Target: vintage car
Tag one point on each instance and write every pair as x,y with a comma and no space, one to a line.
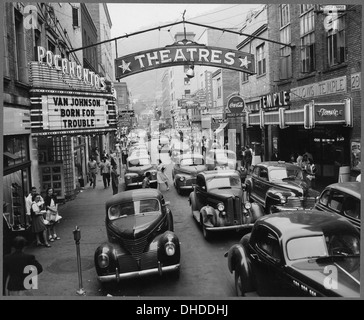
278,186
218,203
185,170
221,159
138,147
298,253
343,198
137,166
141,240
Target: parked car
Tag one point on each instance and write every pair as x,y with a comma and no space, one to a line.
217,203
221,159
342,198
141,240
279,186
137,166
298,253
185,170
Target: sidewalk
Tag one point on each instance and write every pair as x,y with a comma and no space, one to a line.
60,274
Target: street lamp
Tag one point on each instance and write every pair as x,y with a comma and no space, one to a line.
190,72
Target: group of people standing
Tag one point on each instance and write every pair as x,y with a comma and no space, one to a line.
107,167
42,214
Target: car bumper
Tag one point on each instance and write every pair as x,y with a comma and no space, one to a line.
283,208
228,228
120,276
138,183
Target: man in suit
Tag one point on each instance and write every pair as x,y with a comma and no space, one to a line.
18,267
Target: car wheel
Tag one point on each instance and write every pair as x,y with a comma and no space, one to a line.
238,284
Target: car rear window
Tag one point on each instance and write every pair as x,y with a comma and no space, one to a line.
141,207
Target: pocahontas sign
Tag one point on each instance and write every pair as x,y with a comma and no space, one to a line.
183,55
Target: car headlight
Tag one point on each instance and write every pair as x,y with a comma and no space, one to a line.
170,248
181,178
128,177
103,260
247,205
282,198
220,206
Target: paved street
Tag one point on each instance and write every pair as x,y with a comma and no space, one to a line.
204,269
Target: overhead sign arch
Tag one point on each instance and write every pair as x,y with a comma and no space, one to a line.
188,54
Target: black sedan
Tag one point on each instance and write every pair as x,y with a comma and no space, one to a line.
298,253
141,241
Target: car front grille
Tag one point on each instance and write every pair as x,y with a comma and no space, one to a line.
136,246
147,260
294,202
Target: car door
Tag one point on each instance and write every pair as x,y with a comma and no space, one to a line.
267,261
200,191
259,180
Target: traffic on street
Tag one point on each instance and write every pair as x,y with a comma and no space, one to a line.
150,158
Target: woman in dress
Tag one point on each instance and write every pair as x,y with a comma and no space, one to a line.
51,207
161,175
38,226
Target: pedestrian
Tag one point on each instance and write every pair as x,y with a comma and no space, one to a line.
52,216
39,226
275,155
105,170
162,178
309,155
97,155
309,171
28,204
92,171
248,157
146,180
215,145
113,159
16,270
114,180
124,155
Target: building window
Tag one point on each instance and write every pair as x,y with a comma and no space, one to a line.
187,92
51,46
336,42
285,70
244,77
284,14
305,7
6,53
307,28
20,54
219,88
75,17
261,66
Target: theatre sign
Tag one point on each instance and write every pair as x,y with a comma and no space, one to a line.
183,55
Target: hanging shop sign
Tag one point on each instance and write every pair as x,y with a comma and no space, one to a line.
188,104
52,71
323,88
184,55
235,107
274,101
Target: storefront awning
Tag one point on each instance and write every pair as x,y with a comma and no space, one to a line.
221,127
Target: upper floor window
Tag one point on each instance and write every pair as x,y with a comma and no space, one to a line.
336,42
219,88
285,70
261,60
284,14
305,7
244,77
20,54
307,34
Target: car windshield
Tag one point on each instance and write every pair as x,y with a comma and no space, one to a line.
141,207
280,173
323,246
192,162
138,162
223,182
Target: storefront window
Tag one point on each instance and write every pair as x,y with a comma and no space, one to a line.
15,190
15,150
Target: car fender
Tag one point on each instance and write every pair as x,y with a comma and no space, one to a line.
239,261
110,250
256,211
192,200
208,214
